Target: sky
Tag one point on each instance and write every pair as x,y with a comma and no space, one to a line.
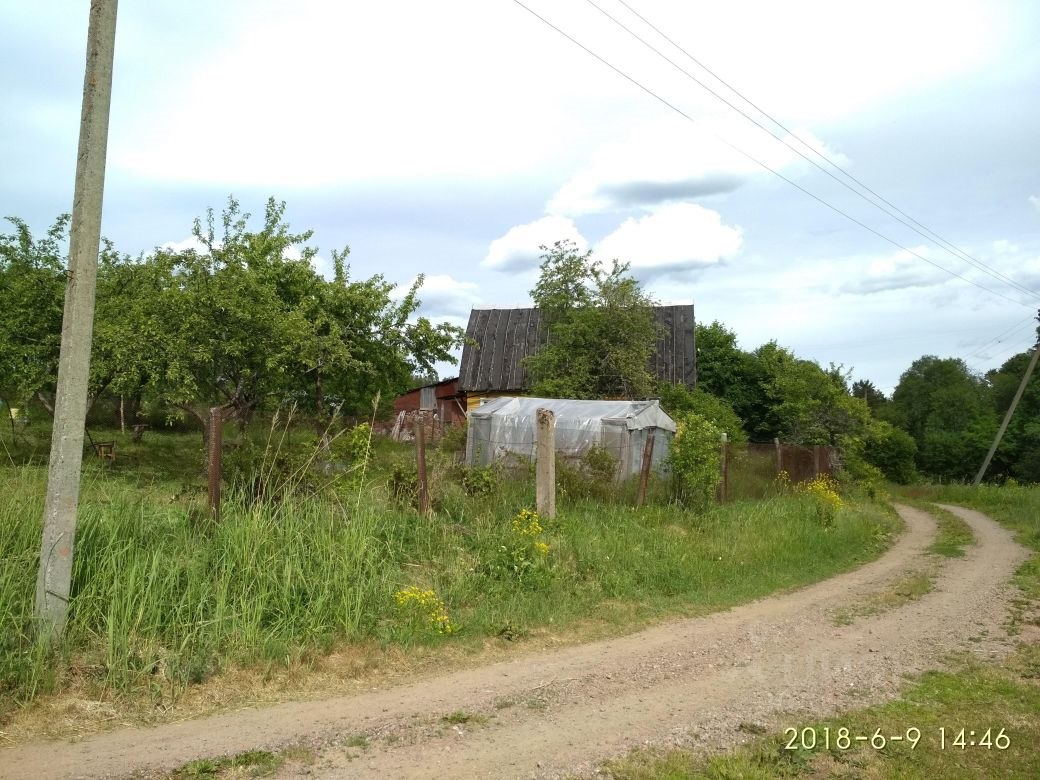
453,139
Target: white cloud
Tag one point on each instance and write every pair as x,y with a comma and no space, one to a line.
1035,201
896,271
443,297
519,249
186,244
673,240
675,160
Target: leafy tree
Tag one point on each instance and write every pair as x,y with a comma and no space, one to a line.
244,322
947,410
677,399
865,389
728,372
1019,453
32,294
807,404
892,450
599,325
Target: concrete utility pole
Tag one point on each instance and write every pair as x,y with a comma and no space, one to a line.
1007,417
70,405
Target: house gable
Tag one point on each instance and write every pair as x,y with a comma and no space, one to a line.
504,337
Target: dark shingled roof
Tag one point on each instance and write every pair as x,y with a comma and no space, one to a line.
506,336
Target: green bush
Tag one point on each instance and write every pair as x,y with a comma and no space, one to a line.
892,450
696,460
480,480
679,399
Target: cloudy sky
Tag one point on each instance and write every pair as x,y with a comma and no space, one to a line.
454,138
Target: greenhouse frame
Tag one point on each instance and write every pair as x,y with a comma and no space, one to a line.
506,428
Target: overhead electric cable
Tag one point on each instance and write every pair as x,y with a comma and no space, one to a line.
755,160
953,247
894,212
977,352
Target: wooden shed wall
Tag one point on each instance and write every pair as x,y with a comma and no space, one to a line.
504,337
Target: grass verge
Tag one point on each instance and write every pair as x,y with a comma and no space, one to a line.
164,600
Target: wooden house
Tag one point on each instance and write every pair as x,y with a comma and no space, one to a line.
492,365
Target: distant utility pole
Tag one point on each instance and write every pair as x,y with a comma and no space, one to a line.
70,406
1010,411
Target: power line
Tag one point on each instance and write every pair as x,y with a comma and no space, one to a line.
755,160
977,352
904,218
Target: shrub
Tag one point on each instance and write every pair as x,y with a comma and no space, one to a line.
696,460
892,450
600,465
479,480
354,448
423,608
403,485
524,557
824,493
678,399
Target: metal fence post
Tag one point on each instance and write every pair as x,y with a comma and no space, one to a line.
644,469
420,463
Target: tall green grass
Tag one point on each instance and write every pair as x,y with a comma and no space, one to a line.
163,597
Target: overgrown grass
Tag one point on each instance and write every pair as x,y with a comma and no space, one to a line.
163,597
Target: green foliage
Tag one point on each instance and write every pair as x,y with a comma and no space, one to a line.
728,372
678,399
243,321
945,408
600,327
1019,453
354,448
600,464
403,485
32,291
524,556
454,438
696,460
874,398
480,480
892,450
161,601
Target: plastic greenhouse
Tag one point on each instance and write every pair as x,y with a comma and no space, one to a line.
506,426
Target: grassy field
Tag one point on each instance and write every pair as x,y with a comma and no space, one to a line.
165,599
971,695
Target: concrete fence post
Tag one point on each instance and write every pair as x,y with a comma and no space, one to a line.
545,464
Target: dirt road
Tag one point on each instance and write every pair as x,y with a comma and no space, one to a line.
691,681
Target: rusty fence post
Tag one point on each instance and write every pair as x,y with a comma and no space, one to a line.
545,464
779,457
216,437
644,470
817,450
419,428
